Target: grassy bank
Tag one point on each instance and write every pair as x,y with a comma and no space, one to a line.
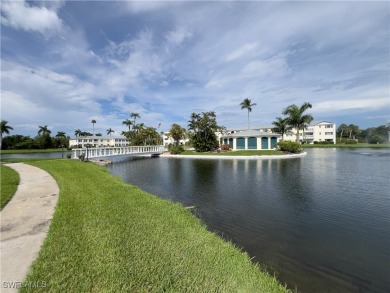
31,151
236,153
9,184
359,145
108,236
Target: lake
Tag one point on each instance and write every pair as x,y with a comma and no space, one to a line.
321,223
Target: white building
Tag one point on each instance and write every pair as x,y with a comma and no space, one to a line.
259,138
98,141
315,132
167,138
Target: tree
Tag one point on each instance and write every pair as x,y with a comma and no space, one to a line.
93,121
43,139
43,130
4,129
202,131
177,133
109,131
353,130
296,118
247,104
281,126
61,134
127,122
77,132
134,116
341,129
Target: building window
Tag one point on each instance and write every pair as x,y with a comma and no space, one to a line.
328,133
328,126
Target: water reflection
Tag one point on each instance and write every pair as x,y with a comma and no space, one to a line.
321,222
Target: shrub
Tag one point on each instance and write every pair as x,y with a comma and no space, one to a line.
351,141
289,146
174,150
225,147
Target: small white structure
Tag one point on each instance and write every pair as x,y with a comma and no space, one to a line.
98,141
251,140
315,132
167,138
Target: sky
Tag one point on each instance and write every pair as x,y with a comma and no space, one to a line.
64,63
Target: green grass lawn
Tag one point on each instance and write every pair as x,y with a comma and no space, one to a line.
236,153
31,151
9,184
108,236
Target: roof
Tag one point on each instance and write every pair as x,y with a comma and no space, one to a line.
99,137
252,133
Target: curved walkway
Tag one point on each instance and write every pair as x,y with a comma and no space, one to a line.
25,222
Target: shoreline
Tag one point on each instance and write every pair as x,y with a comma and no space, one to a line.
289,156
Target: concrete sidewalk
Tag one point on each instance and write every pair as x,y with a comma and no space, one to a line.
25,222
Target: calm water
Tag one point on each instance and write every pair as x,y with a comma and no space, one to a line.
321,223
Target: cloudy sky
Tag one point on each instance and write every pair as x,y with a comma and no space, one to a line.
64,63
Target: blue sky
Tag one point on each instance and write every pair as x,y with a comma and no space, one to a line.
64,63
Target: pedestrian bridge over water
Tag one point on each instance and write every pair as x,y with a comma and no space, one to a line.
100,152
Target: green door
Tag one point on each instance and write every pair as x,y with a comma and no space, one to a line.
274,140
231,142
264,143
241,143
252,143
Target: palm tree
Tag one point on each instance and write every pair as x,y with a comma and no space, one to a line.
77,132
128,123
61,134
296,118
4,129
43,130
341,129
247,104
93,126
134,116
281,126
109,131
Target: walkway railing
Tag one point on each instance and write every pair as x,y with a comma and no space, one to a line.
116,151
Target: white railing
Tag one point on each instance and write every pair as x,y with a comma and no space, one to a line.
116,151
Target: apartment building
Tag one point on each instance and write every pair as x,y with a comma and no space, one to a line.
98,141
316,132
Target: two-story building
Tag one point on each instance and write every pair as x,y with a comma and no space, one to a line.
316,132
98,141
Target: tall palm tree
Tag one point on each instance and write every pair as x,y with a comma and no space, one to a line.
4,129
109,131
93,121
281,126
247,104
134,116
77,132
61,134
296,118
128,123
43,130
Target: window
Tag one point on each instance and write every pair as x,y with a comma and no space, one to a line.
328,126
328,133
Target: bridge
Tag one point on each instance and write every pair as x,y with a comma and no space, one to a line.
100,152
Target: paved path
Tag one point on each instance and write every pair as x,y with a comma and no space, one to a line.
25,222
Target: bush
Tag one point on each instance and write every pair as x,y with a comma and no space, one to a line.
225,147
175,150
351,141
323,142
289,146
377,139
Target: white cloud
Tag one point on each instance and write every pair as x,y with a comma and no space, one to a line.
242,51
21,15
178,36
